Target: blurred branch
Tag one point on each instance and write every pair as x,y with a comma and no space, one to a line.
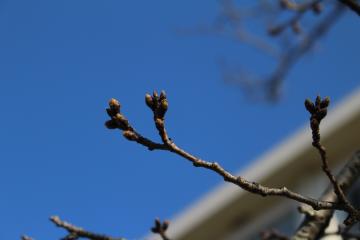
299,7
286,50
272,83
354,5
298,50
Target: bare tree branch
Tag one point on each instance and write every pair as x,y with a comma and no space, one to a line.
159,105
318,111
299,7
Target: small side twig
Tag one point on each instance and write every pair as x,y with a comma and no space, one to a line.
318,111
75,232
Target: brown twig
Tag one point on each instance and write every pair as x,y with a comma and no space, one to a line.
159,106
318,111
75,232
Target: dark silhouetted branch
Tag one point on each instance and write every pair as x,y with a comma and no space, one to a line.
160,228
354,5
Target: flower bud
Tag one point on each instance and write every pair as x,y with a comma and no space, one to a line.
164,105
309,105
162,95
111,112
157,223
122,122
165,225
149,101
119,117
130,135
317,101
325,102
114,104
111,124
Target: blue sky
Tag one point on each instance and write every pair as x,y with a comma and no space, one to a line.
60,63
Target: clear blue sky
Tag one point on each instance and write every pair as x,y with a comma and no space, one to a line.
60,62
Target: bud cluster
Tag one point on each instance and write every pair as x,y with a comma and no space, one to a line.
318,111
117,121
160,227
158,104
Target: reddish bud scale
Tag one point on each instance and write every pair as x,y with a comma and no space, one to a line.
114,104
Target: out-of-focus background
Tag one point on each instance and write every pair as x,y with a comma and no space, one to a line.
60,63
